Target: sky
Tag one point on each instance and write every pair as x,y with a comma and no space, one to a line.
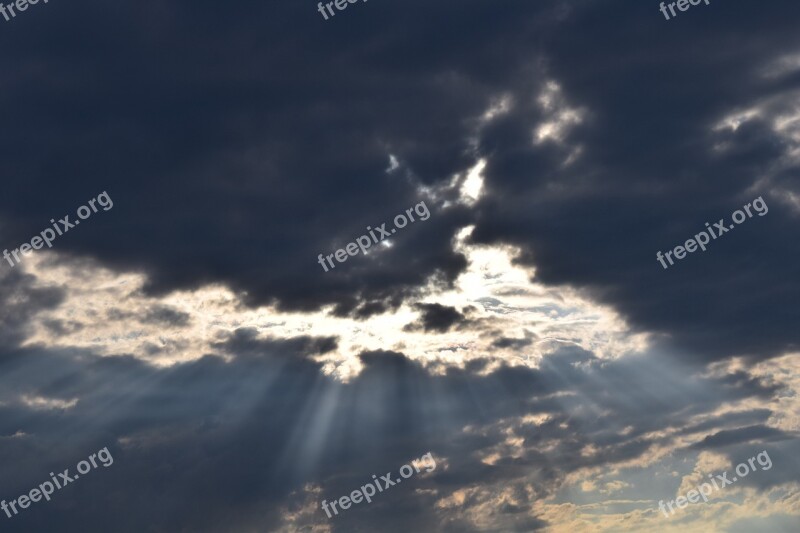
202,355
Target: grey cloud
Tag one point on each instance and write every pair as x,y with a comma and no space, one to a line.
239,437
437,318
167,316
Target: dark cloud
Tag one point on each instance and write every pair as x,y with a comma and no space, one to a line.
221,170
437,318
734,418
216,163
652,170
245,342
515,344
157,315
62,327
747,434
166,316
22,299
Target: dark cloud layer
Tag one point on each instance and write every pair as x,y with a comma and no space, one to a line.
651,173
237,146
230,141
